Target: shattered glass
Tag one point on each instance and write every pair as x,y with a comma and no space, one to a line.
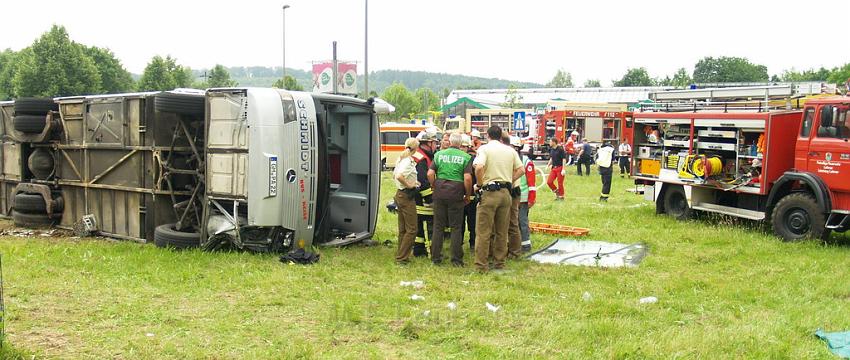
590,253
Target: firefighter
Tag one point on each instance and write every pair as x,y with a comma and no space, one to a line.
404,175
496,167
423,156
605,161
570,146
585,156
476,139
470,209
450,176
525,193
624,152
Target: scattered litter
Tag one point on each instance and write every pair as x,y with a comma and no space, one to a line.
415,297
557,229
648,300
837,342
426,313
465,282
492,307
451,305
590,253
586,296
149,334
416,284
18,232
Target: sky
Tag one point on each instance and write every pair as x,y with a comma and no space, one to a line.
516,40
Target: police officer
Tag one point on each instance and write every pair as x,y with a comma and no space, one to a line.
469,210
406,184
451,178
496,167
605,161
425,214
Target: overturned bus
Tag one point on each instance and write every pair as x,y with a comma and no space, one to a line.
249,168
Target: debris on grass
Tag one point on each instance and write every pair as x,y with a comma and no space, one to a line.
586,296
590,253
492,307
416,284
451,305
426,313
415,297
648,300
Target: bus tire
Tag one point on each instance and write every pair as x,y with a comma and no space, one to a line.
167,236
35,106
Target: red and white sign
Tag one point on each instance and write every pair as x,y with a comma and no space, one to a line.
346,77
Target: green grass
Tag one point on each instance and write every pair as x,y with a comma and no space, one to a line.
726,289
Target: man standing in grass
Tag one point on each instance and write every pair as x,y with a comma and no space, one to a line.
557,168
496,167
450,176
605,161
524,195
471,207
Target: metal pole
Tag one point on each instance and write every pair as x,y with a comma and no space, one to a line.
284,43
366,50
336,85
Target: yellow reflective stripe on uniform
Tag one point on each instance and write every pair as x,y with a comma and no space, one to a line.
424,210
426,192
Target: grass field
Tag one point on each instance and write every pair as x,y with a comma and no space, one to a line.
726,289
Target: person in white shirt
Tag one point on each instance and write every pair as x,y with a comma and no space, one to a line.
605,161
405,178
624,153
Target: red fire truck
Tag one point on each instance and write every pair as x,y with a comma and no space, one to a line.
591,122
790,167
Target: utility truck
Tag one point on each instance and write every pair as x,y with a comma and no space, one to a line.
720,151
249,168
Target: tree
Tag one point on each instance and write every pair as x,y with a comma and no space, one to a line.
681,79
8,64
729,69
592,83
428,98
113,77
793,75
219,77
512,99
840,75
55,66
288,83
165,74
562,79
635,77
406,104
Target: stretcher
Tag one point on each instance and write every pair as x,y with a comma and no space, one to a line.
557,229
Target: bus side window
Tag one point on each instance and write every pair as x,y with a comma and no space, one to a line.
808,119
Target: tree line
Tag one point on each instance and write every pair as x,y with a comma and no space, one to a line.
709,69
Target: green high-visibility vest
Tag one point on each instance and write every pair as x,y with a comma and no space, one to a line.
450,164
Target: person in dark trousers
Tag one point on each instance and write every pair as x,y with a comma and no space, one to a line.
605,162
624,153
404,176
497,166
584,157
451,178
470,209
557,168
423,157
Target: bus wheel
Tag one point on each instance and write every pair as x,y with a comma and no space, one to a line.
797,217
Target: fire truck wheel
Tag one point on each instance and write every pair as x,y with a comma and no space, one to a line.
676,203
183,104
167,236
35,106
30,203
797,217
31,220
30,124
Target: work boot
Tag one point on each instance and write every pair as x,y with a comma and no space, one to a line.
603,199
419,250
526,249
